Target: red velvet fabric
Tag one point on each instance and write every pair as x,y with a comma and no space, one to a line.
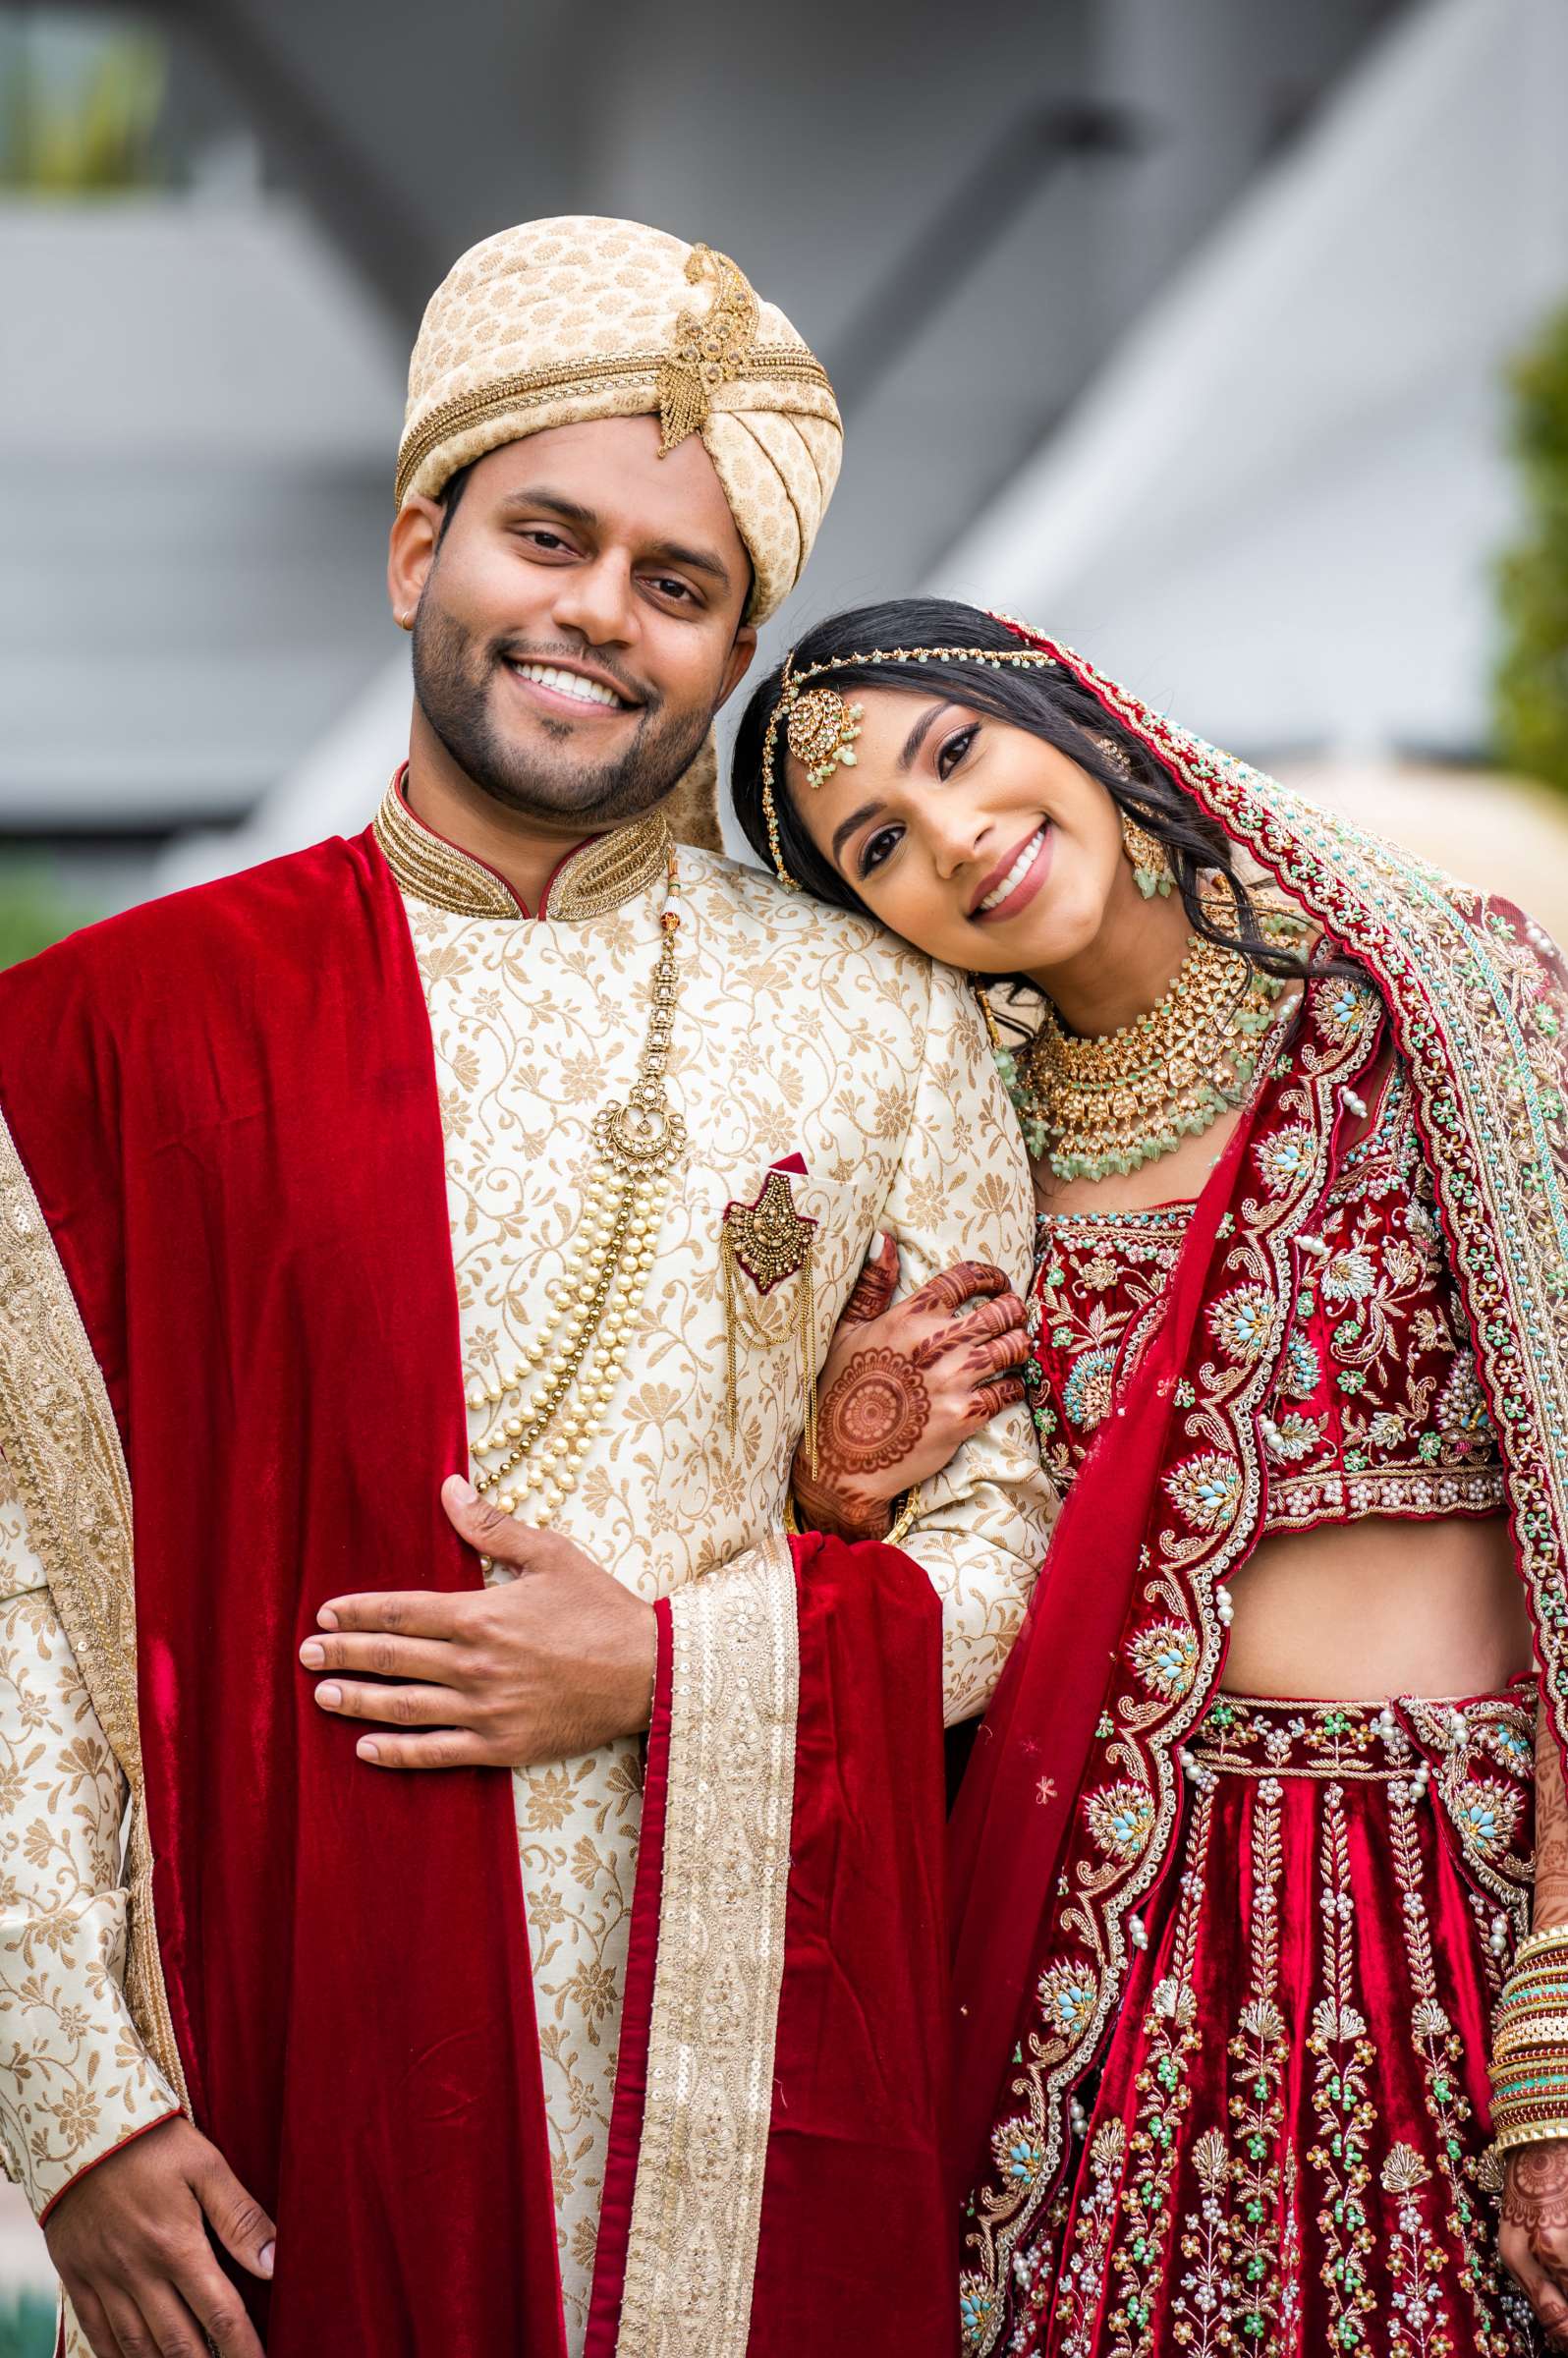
858,2244
227,1105
858,2248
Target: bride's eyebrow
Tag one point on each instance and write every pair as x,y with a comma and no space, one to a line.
847,827
917,736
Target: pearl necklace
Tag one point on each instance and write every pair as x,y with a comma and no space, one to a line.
557,1391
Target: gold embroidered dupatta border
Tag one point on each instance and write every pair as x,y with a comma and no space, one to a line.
698,2201
61,1443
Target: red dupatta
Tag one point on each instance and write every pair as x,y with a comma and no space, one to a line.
224,1109
1066,1819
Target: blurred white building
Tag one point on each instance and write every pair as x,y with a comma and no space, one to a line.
1276,509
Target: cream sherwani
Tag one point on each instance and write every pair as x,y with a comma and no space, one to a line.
798,1031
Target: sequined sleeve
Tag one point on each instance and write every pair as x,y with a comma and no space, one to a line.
75,2079
962,1192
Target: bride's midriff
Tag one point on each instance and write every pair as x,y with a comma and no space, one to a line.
1354,1611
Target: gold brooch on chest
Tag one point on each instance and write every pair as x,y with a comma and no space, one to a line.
762,1245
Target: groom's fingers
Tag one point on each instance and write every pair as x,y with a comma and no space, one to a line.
396,1706
442,1748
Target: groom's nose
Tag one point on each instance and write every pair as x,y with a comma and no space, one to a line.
597,599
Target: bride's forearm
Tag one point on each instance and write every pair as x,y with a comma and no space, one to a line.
1551,1827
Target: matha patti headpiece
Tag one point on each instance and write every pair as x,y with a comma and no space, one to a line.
821,727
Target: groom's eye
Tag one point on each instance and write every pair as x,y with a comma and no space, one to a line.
955,748
879,848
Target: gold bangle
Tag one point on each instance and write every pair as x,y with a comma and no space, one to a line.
1532,2030
1529,2132
906,1519
1545,1936
903,1522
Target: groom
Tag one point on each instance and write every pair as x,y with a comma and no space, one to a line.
514,1146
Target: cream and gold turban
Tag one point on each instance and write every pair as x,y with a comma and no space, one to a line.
562,321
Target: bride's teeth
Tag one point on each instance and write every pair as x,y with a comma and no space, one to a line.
568,683
1015,873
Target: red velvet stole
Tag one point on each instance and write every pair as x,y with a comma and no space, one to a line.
226,1104
858,2246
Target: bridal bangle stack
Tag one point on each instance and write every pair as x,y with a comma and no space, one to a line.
1530,2045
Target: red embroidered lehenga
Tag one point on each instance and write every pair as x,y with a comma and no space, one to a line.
1225,1964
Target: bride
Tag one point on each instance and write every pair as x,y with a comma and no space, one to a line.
1262,2003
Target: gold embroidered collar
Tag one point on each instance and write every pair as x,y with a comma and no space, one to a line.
602,874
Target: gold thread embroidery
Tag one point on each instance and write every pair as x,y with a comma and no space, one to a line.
531,388
601,875
696,2208
58,1434
433,871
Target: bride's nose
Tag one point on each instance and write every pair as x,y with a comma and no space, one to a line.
957,837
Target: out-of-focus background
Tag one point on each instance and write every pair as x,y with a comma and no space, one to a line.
1226,338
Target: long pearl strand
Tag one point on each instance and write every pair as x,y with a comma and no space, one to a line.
557,1390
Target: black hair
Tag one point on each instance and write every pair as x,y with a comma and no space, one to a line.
451,497
1049,703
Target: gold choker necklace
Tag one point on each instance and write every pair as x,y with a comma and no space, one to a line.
1102,1106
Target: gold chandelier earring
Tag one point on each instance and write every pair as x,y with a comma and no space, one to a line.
1152,868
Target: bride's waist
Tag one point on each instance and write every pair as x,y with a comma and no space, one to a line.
1380,1606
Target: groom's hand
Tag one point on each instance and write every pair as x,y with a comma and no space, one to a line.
557,1661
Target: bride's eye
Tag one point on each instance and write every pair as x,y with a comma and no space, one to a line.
879,848
955,748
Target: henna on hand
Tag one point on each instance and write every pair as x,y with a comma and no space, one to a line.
874,1289
871,1417
1533,2235
903,1392
953,1289
1551,1826
1535,2189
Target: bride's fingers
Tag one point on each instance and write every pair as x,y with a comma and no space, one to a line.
876,1284
988,1400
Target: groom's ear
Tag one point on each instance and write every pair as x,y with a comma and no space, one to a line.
738,661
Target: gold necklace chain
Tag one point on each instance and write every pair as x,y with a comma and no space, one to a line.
556,1393
1107,1105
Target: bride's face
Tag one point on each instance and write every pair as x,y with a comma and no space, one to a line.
977,842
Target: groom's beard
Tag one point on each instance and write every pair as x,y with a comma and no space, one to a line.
460,683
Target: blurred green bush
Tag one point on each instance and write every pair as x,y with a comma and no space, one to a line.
1530,699
79,117
34,913
26,2327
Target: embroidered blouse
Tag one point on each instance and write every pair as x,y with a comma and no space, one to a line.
1376,1406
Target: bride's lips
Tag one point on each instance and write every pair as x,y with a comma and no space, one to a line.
1028,882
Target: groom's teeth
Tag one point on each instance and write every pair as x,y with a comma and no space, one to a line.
1017,872
567,683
